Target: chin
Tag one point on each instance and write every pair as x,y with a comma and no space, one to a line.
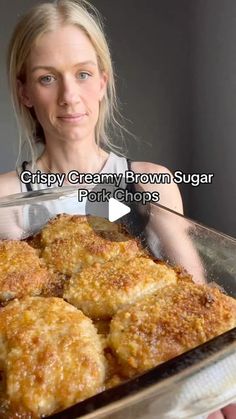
75,135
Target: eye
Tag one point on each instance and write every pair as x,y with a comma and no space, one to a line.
84,75
47,79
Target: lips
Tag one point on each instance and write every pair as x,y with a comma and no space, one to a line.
72,115
75,117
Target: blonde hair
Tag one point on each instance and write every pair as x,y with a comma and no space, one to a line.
39,20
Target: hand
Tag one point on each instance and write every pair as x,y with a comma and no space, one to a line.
228,412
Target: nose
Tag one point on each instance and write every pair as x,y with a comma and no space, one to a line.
69,92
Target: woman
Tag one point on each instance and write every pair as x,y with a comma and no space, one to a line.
62,85
64,101
63,92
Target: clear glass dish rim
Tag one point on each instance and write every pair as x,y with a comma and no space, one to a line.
48,194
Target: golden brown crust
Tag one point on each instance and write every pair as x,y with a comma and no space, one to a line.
50,354
10,410
99,291
69,243
173,320
65,225
114,375
21,271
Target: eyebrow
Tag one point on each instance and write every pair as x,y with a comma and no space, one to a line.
46,67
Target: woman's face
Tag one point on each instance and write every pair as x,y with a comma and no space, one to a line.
64,85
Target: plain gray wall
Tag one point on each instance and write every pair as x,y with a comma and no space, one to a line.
175,64
9,13
214,111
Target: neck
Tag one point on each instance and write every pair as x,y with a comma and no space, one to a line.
89,159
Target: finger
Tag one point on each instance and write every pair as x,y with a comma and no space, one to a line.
230,411
216,415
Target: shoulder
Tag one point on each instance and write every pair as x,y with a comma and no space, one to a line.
170,196
9,183
147,167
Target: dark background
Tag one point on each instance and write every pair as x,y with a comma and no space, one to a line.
175,62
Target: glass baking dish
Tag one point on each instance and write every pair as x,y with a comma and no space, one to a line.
190,385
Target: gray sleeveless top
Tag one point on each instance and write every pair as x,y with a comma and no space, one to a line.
38,214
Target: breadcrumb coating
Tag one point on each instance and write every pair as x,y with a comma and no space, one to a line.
69,243
22,272
50,355
175,319
99,291
65,225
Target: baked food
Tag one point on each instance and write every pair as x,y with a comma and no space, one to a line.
50,355
64,225
22,272
99,291
173,320
70,243
44,340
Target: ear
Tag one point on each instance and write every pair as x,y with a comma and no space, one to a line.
23,94
103,85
